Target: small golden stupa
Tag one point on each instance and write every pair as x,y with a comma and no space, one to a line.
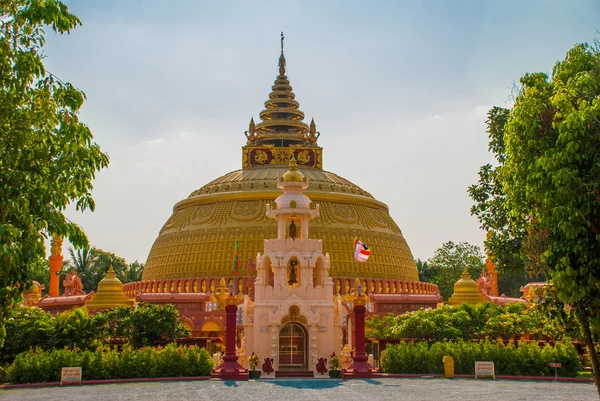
466,291
110,293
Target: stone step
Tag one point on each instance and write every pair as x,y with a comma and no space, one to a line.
294,373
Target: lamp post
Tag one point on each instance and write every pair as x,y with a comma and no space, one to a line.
360,367
231,369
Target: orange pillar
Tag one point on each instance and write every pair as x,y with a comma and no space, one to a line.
492,272
56,259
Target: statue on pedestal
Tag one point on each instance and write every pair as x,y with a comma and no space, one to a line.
72,284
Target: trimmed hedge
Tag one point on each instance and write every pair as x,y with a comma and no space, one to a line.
522,359
36,365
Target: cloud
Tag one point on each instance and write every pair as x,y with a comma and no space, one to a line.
186,135
155,143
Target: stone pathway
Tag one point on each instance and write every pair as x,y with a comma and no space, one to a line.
312,390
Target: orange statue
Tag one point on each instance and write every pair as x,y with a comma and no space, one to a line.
72,284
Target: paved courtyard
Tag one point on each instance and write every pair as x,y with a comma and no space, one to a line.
328,390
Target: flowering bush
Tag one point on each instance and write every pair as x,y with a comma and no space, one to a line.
37,365
25,328
467,322
527,359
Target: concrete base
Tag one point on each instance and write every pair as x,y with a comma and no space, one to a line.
231,369
359,368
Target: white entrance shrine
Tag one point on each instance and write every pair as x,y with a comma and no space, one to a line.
293,318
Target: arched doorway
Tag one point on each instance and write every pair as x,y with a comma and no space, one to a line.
292,347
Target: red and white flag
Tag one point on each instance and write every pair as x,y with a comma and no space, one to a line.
361,251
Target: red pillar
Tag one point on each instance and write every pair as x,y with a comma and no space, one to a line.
360,367
231,369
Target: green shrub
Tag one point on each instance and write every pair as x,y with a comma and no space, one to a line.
37,365
27,328
527,359
145,325
468,322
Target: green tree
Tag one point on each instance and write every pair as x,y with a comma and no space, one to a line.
549,185
48,155
426,272
450,260
131,273
27,328
76,328
105,259
83,259
146,325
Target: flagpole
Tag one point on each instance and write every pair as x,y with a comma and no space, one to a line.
237,261
354,262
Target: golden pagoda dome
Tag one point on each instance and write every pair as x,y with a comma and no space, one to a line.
110,293
198,240
466,291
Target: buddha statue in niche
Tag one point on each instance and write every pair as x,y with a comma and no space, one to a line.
293,230
293,273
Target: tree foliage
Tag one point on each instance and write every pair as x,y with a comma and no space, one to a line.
132,273
48,157
468,322
542,205
426,272
145,325
93,263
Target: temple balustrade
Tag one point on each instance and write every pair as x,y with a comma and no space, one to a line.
244,285
299,245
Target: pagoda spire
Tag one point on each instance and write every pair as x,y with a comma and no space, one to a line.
282,123
282,57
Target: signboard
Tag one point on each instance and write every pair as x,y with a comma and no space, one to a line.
484,369
70,376
555,365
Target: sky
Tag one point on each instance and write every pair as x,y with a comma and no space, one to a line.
398,89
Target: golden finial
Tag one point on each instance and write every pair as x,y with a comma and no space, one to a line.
251,133
293,174
293,164
282,58
312,131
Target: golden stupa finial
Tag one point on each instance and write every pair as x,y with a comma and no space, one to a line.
293,164
293,175
251,133
282,58
313,135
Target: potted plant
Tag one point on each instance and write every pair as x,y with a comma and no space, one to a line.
334,367
253,361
